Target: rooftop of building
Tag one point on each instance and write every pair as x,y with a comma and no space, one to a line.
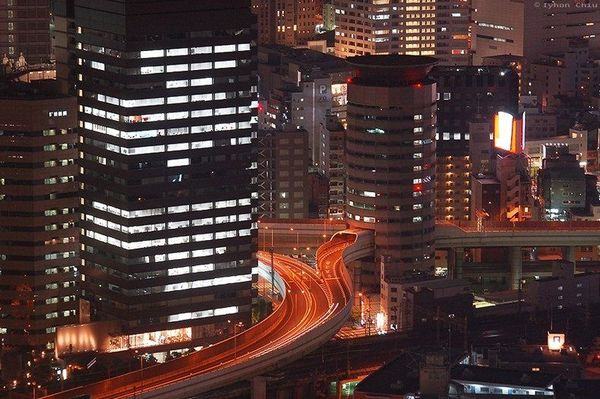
426,280
398,377
499,297
392,70
328,36
587,120
401,375
497,376
487,180
471,70
393,61
505,57
36,90
557,278
538,354
306,57
550,140
580,389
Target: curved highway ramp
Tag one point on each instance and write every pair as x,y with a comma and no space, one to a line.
315,305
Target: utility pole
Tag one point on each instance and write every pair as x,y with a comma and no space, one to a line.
466,329
437,318
142,372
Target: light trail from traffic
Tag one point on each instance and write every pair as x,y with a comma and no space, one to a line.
315,305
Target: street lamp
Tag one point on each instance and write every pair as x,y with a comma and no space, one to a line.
235,334
272,251
297,239
360,300
141,356
272,236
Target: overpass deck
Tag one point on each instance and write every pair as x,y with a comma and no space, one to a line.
316,304
540,234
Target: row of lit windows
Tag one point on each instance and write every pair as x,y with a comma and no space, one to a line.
175,52
149,70
170,147
149,228
203,113
170,210
207,283
144,134
203,314
221,235
146,102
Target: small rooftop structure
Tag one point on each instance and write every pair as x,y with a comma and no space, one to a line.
490,380
392,70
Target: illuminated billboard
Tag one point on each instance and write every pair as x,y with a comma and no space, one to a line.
509,132
556,341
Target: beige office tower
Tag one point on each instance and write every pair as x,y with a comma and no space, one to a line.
25,30
287,22
453,32
412,27
385,27
390,158
531,28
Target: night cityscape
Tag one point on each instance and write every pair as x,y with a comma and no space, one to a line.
299,199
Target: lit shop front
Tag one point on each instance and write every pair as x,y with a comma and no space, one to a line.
149,339
106,337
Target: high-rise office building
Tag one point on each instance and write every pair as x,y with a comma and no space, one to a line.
555,79
453,32
337,174
39,241
283,182
561,185
25,29
418,27
390,158
532,28
167,115
287,22
465,94
301,89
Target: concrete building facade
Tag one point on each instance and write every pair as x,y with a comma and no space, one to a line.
302,89
377,27
419,27
283,186
530,29
390,157
287,22
466,95
39,238
25,30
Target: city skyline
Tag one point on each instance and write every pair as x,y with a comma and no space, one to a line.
267,199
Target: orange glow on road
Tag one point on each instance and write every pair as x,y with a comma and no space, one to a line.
313,297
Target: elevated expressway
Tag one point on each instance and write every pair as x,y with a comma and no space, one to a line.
522,234
315,305
457,236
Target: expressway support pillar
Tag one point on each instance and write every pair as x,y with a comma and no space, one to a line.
456,258
515,259
570,255
259,387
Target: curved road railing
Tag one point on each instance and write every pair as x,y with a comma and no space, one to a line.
315,305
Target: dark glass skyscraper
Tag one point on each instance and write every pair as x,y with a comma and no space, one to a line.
167,112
